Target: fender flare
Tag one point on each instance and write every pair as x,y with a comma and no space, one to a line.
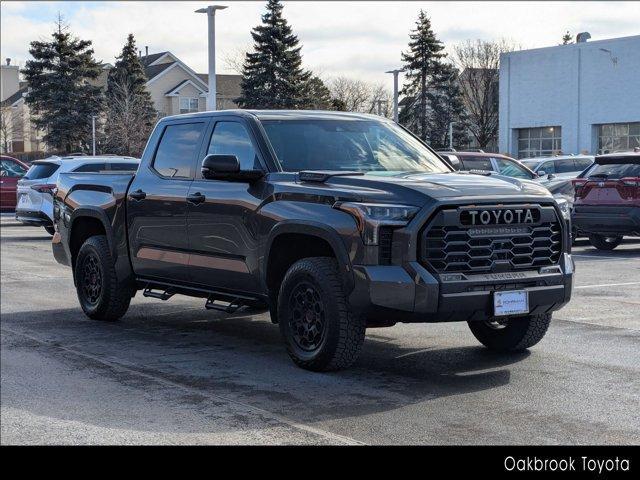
315,229
99,214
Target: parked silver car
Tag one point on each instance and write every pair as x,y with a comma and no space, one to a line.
34,204
558,165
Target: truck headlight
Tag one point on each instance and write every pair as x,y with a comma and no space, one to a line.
563,205
371,216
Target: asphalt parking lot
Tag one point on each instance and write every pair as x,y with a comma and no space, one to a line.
174,373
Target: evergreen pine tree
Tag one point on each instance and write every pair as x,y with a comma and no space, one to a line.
316,95
421,64
567,38
61,96
130,114
272,75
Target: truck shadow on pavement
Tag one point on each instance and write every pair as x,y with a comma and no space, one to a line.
242,357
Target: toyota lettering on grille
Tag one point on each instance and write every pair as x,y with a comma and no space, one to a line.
502,216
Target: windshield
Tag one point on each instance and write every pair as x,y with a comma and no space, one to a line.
512,169
349,145
532,164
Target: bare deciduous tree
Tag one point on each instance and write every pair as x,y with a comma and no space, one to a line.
479,63
234,59
10,126
128,125
353,95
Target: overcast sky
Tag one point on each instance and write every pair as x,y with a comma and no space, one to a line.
359,39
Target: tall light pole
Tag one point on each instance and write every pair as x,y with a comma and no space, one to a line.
395,93
93,133
451,124
211,14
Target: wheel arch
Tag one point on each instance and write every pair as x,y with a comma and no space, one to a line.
319,240
86,222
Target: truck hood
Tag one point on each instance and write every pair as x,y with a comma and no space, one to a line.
422,188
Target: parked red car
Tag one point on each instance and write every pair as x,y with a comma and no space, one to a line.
11,170
607,199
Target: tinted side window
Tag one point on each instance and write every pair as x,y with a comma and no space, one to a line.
477,163
232,138
123,167
91,167
564,166
582,163
176,152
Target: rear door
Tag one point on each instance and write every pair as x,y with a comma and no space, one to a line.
157,203
222,233
10,172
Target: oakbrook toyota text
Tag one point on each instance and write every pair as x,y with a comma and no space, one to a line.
569,464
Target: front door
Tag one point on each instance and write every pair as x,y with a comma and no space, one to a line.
222,230
157,204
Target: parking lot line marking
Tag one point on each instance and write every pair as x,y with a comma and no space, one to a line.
603,257
608,285
117,364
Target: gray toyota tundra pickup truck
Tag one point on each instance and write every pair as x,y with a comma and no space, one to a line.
335,222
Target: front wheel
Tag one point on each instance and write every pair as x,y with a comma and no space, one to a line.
512,335
605,242
319,329
101,295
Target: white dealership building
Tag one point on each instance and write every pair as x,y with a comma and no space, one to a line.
577,98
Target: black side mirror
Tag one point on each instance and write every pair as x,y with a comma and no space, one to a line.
227,167
213,166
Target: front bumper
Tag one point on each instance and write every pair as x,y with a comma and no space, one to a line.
621,220
34,218
390,294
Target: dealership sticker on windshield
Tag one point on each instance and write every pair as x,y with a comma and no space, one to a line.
514,302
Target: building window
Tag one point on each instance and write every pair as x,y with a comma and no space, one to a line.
188,105
539,142
618,137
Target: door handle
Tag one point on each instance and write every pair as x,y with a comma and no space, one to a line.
196,198
138,195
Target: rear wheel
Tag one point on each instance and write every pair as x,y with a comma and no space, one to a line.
319,329
50,230
605,242
101,295
511,335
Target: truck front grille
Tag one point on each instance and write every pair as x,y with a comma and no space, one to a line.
448,246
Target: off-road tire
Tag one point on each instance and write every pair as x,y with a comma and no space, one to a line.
605,242
50,230
343,331
517,334
113,299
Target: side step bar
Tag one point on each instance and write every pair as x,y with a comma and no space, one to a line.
220,301
164,295
226,307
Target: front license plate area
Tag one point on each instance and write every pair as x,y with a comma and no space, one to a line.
513,302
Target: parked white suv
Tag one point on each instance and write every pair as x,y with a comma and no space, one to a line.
34,204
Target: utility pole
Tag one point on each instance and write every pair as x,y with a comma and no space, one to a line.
395,93
93,131
211,14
